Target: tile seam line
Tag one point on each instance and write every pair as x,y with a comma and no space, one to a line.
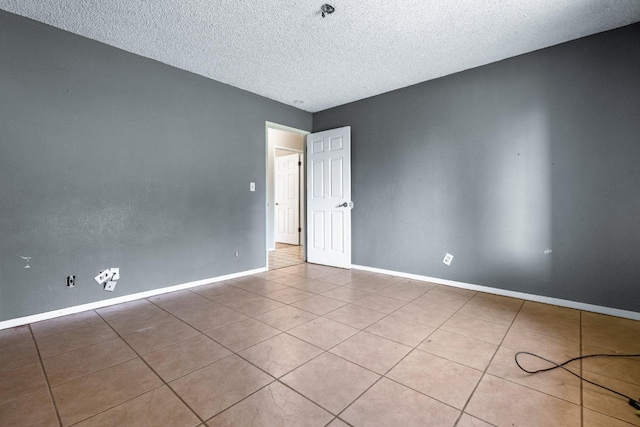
275,379
484,372
581,375
96,371
46,377
115,406
323,351
79,348
163,382
201,333
122,336
397,363
87,324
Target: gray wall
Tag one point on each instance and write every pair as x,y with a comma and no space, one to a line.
109,159
498,164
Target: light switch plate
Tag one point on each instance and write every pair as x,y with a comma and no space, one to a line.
252,186
115,271
447,259
110,286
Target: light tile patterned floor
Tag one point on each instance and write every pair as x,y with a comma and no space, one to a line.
309,345
285,256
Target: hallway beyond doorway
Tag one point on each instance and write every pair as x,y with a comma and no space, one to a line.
285,256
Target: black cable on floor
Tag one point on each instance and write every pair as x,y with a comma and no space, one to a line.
633,402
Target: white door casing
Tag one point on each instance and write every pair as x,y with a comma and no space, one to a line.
287,199
329,197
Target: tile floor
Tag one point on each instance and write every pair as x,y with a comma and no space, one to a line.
285,256
316,346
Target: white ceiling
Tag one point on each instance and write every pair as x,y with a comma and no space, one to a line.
284,50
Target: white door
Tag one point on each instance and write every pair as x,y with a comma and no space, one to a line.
329,197
287,199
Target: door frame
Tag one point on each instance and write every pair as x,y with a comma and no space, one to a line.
301,190
303,177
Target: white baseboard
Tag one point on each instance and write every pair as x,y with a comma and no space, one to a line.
126,298
530,297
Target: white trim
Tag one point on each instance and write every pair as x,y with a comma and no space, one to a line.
530,297
303,204
282,148
285,128
271,125
126,298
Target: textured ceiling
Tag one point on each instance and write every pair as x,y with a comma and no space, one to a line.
284,50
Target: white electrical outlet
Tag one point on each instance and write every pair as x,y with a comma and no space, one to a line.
110,286
99,278
103,277
448,258
252,186
115,271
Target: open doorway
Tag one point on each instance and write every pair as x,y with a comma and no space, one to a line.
287,196
286,233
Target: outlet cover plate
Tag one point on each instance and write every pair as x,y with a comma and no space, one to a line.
447,258
103,277
110,286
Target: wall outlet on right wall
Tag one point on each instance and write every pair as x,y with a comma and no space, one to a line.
447,258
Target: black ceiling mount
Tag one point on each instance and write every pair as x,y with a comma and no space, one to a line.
327,9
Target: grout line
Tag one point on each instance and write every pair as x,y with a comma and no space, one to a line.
98,370
278,379
46,377
85,323
414,348
527,386
115,406
75,349
534,389
155,373
581,374
488,364
275,379
232,354
241,400
315,403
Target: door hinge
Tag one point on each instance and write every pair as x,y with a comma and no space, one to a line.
299,163
299,230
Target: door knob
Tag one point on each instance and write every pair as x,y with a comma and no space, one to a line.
277,204
344,205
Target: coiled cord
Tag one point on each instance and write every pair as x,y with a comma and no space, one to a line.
633,402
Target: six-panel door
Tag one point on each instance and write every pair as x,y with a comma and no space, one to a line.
329,197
